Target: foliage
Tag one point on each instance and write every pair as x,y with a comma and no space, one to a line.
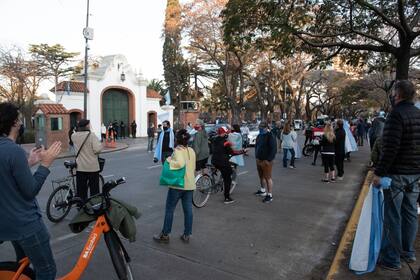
175,67
54,58
210,58
20,78
355,29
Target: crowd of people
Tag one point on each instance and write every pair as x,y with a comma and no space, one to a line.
393,142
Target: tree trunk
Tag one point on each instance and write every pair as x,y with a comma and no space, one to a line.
403,61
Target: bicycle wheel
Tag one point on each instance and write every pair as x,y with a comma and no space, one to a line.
8,270
58,205
118,256
308,150
201,194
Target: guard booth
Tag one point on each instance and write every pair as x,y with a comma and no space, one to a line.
189,112
52,123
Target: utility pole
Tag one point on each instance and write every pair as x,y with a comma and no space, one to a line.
88,34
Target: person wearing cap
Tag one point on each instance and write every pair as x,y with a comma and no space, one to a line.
200,145
265,152
377,128
87,147
222,152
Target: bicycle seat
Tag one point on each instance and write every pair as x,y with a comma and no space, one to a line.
70,164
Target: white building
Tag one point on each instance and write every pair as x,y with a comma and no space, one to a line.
115,93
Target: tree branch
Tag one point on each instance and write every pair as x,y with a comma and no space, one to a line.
381,14
414,52
415,20
402,17
365,47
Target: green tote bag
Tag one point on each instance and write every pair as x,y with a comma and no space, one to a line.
172,177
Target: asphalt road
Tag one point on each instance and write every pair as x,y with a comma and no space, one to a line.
294,237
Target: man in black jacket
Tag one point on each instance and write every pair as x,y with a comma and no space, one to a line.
265,152
340,153
400,160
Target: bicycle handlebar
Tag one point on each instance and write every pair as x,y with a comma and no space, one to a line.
112,184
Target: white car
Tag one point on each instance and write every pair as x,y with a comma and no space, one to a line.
252,136
297,124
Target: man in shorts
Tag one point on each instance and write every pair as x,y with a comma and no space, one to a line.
265,152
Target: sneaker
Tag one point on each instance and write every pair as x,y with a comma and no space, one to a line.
325,180
161,238
185,238
267,199
313,163
260,193
389,267
340,178
292,167
228,200
332,180
407,258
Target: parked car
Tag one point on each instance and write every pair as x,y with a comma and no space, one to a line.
253,133
297,124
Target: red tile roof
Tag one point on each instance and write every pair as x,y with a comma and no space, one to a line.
151,93
74,86
55,109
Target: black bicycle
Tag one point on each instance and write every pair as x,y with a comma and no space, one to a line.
64,197
210,181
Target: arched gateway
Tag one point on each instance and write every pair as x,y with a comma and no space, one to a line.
117,105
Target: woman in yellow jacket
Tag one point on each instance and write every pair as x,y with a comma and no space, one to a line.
183,156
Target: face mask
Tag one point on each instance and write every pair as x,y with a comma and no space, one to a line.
165,128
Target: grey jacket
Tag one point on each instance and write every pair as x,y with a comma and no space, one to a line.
201,145
87,161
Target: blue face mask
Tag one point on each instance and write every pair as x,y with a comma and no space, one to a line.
262,131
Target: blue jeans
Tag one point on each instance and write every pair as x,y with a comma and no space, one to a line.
292,160
400,220
171,201
37,248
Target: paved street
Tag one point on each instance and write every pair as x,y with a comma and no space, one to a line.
294,237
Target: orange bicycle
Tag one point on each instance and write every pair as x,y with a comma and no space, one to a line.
120,259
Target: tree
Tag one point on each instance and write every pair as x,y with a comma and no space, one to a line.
355,29
20,79
55,59
212,59
175,67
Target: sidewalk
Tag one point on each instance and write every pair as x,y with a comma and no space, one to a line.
340,270
67,154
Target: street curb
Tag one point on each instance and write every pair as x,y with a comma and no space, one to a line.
123,147
348,234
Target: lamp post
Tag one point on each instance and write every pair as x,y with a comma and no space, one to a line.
88,34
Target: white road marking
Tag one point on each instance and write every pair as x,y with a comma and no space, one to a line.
107,176
70,235
242,173
154,166
64,237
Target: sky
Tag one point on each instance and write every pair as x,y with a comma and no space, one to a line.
129,27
